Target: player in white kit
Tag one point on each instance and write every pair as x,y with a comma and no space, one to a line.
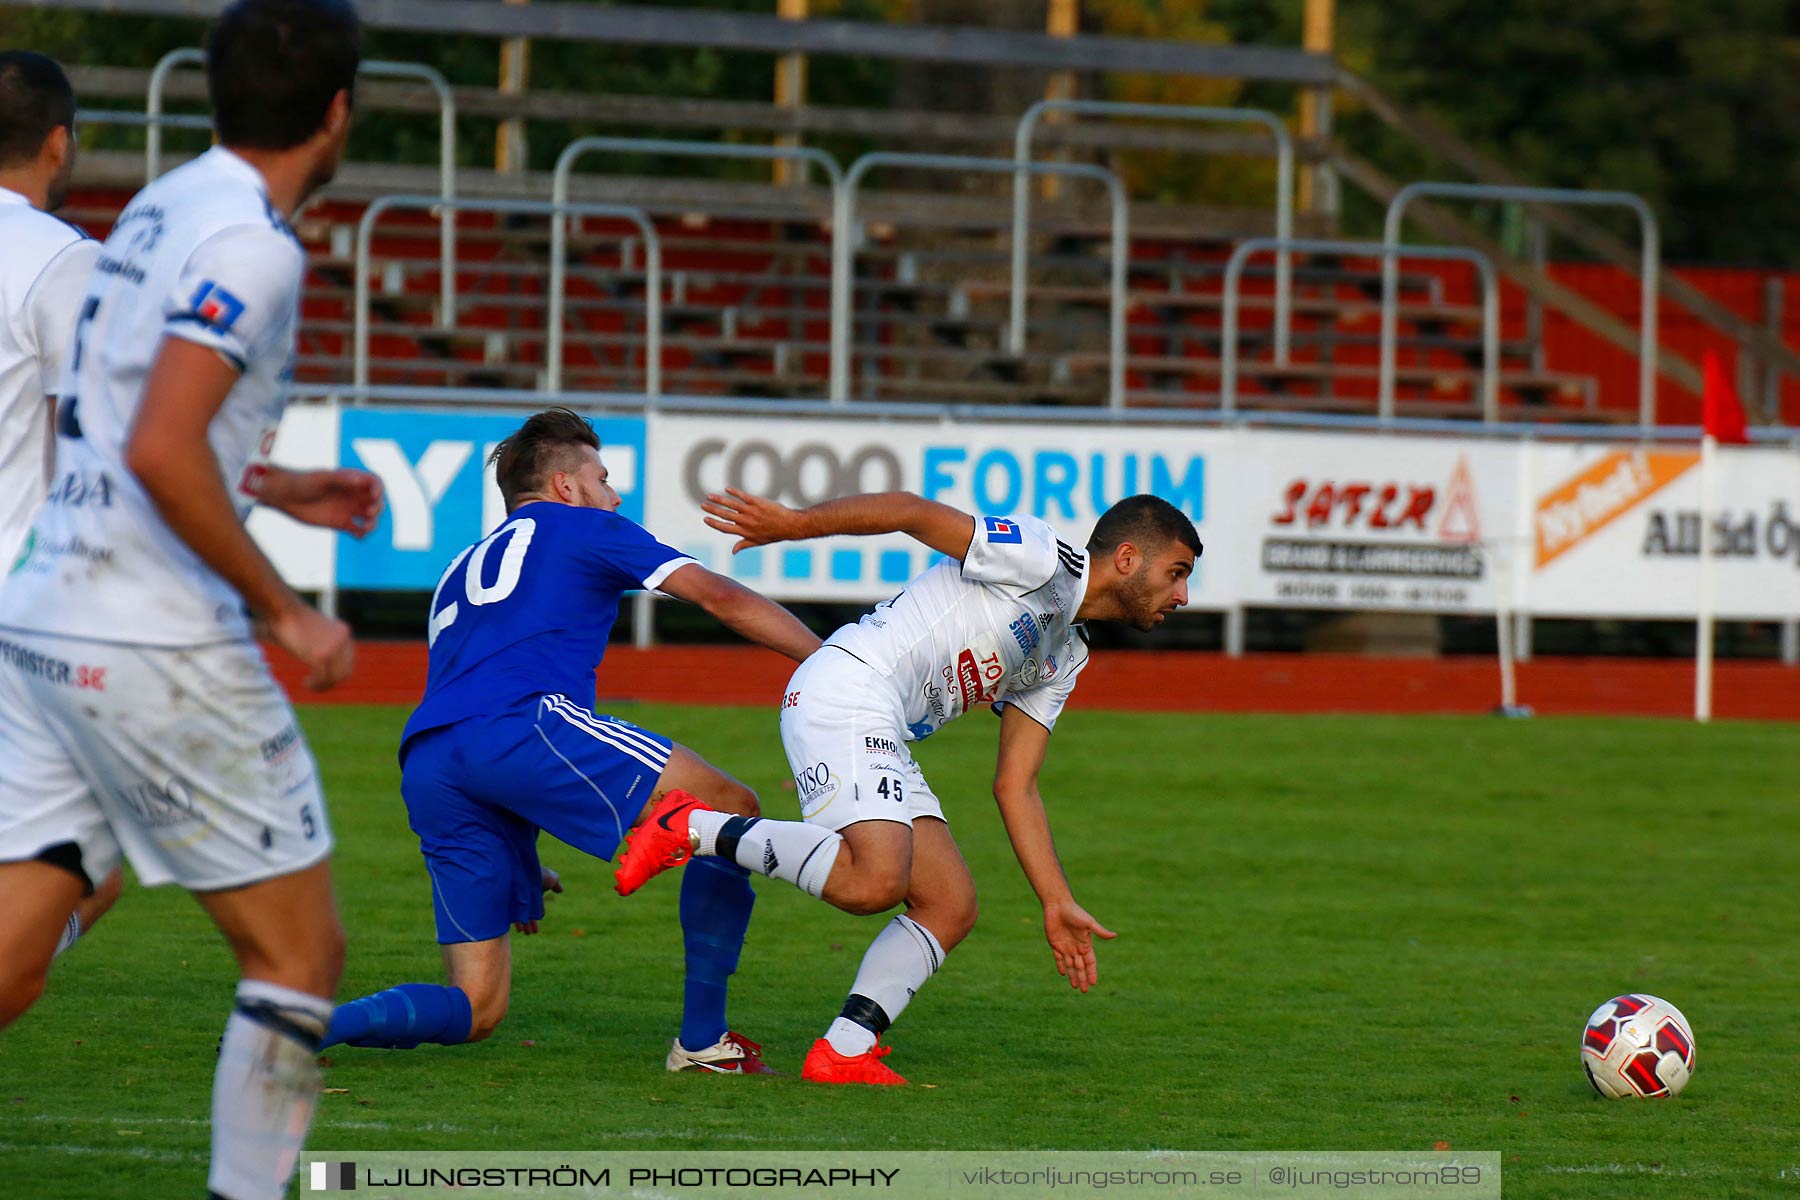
136,712
43,279
997,622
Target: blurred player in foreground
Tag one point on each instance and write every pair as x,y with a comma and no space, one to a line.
505,744
43,279
996,622
136,712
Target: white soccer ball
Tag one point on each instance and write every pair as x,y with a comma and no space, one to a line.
1637,1045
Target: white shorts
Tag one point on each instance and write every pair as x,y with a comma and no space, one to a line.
844,733
188,760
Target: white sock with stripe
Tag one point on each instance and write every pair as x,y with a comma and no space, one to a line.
791,851
264,1089
70,932
898,962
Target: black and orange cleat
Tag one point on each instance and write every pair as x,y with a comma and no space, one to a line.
659,842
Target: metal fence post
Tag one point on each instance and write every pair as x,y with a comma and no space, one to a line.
365,229
1284,192
1649,266
1490,312
842,251
559,193
195,56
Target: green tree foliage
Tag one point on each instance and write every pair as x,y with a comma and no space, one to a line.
1694,104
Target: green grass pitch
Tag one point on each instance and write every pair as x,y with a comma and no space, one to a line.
1335,934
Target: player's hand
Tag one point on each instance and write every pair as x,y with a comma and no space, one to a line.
552,882
753,520
321,642
1071,932
344,499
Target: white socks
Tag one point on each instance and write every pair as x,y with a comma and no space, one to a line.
791,851
898,962
264,1089
70,932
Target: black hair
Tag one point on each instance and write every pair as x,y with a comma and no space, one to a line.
527,458
1147,522
273,67
35,99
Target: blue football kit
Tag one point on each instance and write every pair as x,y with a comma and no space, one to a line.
505,744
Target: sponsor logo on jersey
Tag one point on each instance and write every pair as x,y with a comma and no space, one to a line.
968,678
881,745
280,745
921,730
40,666
1028,672
162,807
124,270
217,308
816,786
75,547
1045,618
76,490
1000,531
1025,632
934,695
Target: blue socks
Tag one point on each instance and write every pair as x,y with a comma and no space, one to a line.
403,1017
716,898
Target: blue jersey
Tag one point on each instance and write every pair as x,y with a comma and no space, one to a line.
527,610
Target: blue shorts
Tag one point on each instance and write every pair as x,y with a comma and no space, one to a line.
477,792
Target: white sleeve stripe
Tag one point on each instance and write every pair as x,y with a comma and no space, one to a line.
654,579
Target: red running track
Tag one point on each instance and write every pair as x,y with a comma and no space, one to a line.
1174,681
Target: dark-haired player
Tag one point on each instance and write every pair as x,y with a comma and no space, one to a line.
505,743
136,712
998,622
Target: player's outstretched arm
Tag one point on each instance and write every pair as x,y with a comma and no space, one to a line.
756,521
751,616
170,456
1067,926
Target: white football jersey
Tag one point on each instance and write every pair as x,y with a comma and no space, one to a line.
997,628
201,255
43,276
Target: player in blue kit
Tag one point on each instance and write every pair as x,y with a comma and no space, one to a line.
504,745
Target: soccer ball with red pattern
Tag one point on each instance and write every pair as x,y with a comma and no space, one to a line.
1637,1045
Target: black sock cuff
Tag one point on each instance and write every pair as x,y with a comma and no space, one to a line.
860,1010
726,844
274,1018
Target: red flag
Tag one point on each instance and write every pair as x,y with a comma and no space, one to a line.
1721,413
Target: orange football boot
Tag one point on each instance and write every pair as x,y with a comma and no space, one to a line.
826,1065
660,842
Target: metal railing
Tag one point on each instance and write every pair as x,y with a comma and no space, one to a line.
554,335
843,250
1284,191
1490,314
1649,267
113,116
933,410
155,118
565,167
